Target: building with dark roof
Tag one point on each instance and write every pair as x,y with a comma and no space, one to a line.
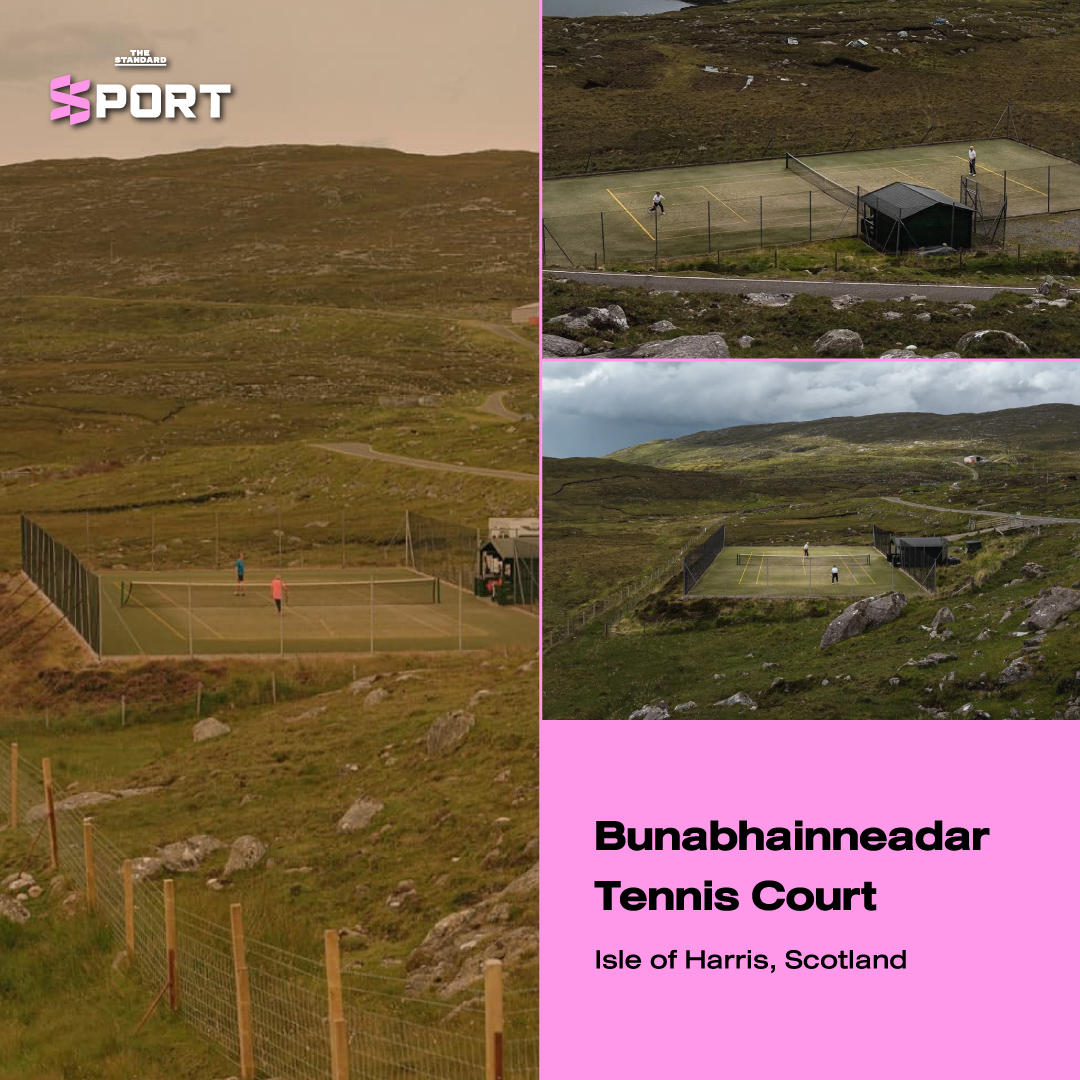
900,217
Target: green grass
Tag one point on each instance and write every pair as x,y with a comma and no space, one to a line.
792,330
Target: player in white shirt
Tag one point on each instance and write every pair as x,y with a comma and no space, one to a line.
657,203
971,159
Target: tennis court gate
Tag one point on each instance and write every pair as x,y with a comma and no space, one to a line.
697,560
61,576
991,210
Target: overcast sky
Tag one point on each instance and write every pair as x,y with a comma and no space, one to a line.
415,75
592,409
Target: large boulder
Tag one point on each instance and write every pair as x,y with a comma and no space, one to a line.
1015,672
13,910
611,317
691,347
184,856
741,698
766,299
943,616
1032,570
246,852
991,343
845,300
210,728
659,711
553,345
448,732
866,614
839,343
1047,610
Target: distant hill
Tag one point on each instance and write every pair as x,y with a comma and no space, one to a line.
1037,427
333,225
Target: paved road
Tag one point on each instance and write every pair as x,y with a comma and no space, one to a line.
365,450
495,405
1027,519
868,290
965,465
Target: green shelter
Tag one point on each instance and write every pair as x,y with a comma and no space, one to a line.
900,217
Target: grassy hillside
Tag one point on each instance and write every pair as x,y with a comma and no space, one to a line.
609,521
607,80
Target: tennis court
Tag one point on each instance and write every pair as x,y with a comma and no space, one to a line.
760,203
340,611
785,571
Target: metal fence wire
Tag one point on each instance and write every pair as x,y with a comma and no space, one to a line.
64,579
699,559
391,1033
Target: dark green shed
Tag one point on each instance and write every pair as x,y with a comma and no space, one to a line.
899,217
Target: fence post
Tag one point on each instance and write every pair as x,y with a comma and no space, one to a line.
603,242
170,945
243,995
50,812
493,1020
88,861
129,909
339,1036
761,220
14,786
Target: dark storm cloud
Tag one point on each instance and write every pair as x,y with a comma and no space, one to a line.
592,409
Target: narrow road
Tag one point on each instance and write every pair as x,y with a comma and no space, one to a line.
965,465
365,450
1028,519
868,290
495,405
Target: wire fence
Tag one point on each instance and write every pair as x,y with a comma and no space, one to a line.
273,1013
923,576
699,559
563,625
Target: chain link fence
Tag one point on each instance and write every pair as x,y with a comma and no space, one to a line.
699,559
288,1004
925,576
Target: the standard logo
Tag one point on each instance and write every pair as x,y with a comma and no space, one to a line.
145,101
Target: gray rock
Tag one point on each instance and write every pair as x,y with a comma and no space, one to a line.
891,315
1015,672
1032,570
662,327
246,852
739,699
934,659
924,316
1002,341
210,728
1047,610
13,910
746,342
659,711
946,356
553,345
845,301
895,680
611,317
768,299
184,856
691,347
146,867
449,731
943,616
686,705
839,343
359,815
866,614
902,354
376,696
986,635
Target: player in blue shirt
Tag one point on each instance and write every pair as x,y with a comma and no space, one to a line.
240,575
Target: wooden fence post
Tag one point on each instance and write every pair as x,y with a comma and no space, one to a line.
339,1036
50,814
243,995
88,861
129,909
170,945
493,1020
14,786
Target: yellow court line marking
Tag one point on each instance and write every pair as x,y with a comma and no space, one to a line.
120,618
632,218
910,177
164,622
746,566
1003,177
722,203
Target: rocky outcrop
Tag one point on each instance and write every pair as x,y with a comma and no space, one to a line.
863,615
692,347
554,346
210,728
245,854
839,343
611,317
943,616
449,731
1049,608
741,698
1016,671
659,711
184,856
359,814
993,343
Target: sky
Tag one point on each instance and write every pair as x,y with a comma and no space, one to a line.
414,75
592,409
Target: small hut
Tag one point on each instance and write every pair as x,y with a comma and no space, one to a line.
900,217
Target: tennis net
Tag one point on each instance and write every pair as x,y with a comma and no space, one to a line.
223,594
744,557
831,188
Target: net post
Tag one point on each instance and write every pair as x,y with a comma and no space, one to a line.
129,909
14,813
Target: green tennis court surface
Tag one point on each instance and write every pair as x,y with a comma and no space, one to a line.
355,610
785,571
746,204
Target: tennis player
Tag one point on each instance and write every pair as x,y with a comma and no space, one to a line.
836,574
278,591
657,203
240,575
806,550
971,159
